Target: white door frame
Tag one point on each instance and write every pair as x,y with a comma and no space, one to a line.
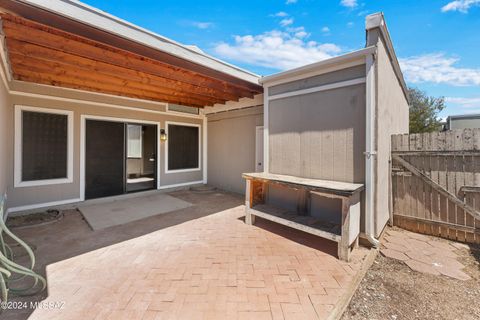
83,140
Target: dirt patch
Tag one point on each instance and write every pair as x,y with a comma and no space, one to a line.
391,290
34,219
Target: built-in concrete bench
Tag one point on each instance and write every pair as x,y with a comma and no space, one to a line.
345,234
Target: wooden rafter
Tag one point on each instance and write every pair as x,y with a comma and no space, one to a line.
42,54
28,67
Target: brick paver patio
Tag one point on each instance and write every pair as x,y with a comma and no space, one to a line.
214,267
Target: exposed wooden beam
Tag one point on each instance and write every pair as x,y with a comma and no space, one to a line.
74,84
28,31
77,27
71,79
57,68
32,50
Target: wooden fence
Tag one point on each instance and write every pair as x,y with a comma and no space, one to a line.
436,183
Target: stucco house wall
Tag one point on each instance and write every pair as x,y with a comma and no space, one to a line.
318,135
87,104
392,112
231,147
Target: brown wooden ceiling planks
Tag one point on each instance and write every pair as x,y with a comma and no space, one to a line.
115,71
70,79
77,84
33,50
51,19
56,68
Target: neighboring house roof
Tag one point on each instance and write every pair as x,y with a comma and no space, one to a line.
464,116
473,121
89,15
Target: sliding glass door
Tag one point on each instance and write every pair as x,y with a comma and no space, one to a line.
104,159
120,157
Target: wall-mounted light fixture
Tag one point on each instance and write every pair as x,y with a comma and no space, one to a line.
163,135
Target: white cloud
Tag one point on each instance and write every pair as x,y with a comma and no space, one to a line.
349,3
326,30
350,24
298,32
291,1
275,49
460,5
286,22
202,25
438,68
280,14
464,102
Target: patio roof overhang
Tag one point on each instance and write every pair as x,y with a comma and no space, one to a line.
47,48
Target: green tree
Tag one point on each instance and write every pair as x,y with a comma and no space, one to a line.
424,111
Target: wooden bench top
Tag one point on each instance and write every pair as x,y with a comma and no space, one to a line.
335,187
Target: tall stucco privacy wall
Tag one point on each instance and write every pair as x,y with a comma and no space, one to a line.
316,128
333,120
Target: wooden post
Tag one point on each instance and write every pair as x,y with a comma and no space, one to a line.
344,244
249,217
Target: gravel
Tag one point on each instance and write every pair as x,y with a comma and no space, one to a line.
391,290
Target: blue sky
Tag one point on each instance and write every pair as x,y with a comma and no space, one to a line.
437,41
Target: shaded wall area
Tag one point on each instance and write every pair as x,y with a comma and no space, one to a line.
231,147
392,118
4,136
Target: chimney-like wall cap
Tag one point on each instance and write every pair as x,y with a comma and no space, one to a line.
374,20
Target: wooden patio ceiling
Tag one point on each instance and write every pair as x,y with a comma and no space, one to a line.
47,55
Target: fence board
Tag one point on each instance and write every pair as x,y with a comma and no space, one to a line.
450,159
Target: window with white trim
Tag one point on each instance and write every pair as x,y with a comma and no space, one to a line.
43,152
183,147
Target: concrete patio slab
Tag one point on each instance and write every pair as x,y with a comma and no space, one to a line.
201,262
117,212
